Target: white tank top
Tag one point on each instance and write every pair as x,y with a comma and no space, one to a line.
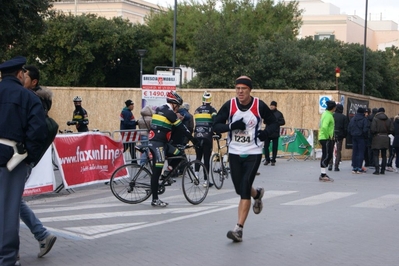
245,142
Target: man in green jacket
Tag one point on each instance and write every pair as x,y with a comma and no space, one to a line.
326,139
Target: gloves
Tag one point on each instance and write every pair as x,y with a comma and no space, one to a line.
262,135
69,123
239,124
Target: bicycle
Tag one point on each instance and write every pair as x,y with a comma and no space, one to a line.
131,183
219,165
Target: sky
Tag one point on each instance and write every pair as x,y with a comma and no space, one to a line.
388,8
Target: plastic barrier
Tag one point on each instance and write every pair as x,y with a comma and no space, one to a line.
130,138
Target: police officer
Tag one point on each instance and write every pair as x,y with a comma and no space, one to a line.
22,125
79,116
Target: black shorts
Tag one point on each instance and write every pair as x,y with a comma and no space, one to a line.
159,150
243,171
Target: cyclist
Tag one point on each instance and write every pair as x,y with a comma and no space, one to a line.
80,115
164,122
203,131
244,114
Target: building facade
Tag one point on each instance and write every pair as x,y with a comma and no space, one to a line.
133,10
324,20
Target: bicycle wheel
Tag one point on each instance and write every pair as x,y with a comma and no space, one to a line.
195,187
216,167
131,183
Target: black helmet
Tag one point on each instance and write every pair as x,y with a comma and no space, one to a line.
173,97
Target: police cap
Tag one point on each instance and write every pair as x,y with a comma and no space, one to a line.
13,64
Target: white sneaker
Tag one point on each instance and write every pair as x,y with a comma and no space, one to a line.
46,245
389,169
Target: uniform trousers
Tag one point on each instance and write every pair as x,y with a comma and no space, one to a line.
11,188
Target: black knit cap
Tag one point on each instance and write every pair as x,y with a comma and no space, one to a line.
360,110
274,103
128,103
330,105
381,110
244,80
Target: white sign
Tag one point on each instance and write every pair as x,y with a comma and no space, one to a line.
155,88
323,102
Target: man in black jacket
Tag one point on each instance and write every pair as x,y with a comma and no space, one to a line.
274,137
340,132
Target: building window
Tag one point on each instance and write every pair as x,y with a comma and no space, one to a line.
319,37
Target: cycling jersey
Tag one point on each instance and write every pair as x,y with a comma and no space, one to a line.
203,116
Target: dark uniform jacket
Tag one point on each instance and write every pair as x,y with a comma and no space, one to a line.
359,126
381,127
340,123
281,122
80,116
22,120
396,133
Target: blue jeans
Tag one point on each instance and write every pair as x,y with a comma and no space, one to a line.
143,158
32,222
358,147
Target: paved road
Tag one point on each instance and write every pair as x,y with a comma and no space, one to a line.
353,221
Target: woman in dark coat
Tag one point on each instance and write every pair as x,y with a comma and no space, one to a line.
395,144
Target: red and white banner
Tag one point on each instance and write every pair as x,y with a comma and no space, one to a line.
87,158
42,179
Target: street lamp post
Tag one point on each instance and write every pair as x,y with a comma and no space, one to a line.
337,75
141,53
174,38
365,48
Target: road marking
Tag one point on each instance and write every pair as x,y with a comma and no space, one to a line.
160,222
320,199
276,193
95,229
380,203
104,215
80,207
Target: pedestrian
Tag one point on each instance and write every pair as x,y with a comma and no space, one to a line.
358,128
79,117
340,132
367,158
391,152
144,124
273,138
188,119
164,122
395,143
128,122
326,139
204,116
370,139
22,126
244,115
45,238
381,127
